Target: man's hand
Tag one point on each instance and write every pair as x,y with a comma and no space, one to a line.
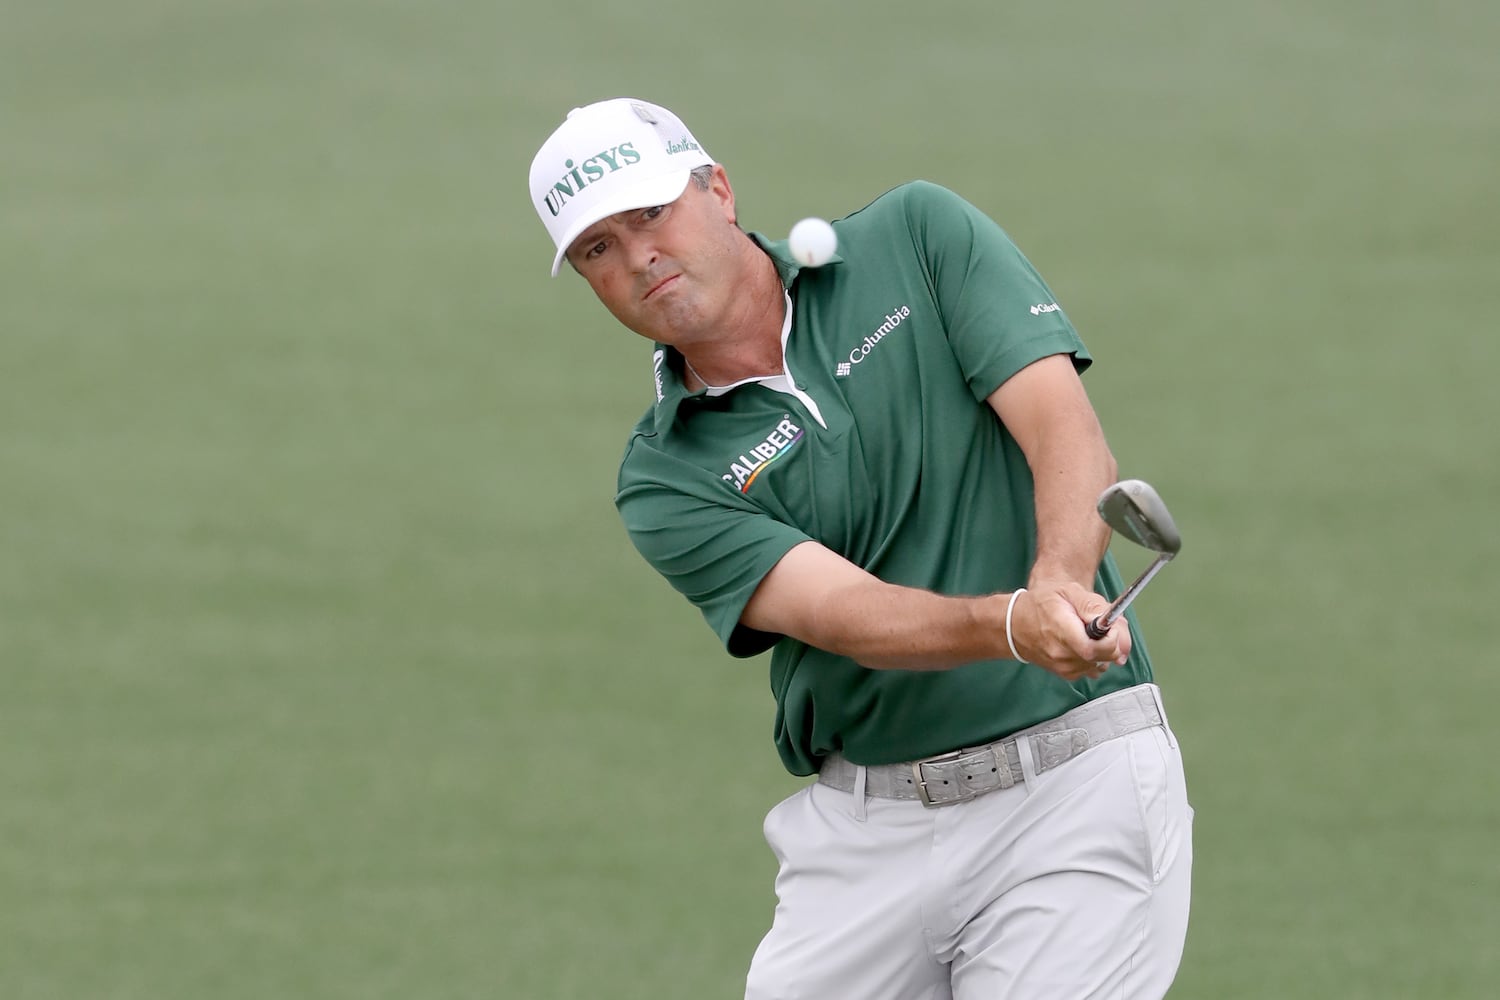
1048,630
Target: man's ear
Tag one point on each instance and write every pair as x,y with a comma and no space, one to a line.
721,189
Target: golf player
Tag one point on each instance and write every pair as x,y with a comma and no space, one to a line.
883,470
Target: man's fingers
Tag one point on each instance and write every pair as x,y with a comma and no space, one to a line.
1114,646
1119,634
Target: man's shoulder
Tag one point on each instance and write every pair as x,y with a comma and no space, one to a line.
650,455
908,207
642,436
913,194
641,457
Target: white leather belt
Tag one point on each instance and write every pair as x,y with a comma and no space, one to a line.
961,775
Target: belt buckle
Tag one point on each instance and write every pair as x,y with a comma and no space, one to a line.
921,783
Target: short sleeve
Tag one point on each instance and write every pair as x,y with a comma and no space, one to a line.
712,545
999,314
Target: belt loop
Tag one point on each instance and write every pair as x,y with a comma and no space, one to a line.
1028,763
1162,711
858,811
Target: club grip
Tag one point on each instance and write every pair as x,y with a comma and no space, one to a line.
1096,628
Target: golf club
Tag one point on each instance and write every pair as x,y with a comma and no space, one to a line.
1134,509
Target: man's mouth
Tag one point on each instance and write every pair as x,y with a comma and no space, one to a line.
663,283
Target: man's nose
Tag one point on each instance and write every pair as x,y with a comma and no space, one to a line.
641,253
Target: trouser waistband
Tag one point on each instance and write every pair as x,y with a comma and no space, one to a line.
963,774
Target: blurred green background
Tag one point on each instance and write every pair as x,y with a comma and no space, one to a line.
325,667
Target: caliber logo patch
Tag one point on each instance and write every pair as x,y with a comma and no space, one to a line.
746,468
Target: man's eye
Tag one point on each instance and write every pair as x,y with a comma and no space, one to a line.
595,250
652,212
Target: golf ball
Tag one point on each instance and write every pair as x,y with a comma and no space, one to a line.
813,242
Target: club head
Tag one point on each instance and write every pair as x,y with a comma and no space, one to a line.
1135,510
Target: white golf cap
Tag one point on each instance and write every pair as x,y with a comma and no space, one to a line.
610,157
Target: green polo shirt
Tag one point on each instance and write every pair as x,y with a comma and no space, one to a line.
886,453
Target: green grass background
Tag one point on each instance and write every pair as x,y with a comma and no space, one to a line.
325,667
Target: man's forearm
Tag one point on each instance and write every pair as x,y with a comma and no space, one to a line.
1071,537
886,627
1047,411
824,600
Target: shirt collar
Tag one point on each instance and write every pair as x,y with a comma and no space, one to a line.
781,255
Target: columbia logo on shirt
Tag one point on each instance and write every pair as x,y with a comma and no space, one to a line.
892,320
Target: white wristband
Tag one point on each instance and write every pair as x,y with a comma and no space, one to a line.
1010,641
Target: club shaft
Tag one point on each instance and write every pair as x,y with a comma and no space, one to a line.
1099,626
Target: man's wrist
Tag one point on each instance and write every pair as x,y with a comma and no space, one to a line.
1057,573
1010,635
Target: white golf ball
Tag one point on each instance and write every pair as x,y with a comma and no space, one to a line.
813,242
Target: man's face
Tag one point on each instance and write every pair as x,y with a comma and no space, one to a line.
667,272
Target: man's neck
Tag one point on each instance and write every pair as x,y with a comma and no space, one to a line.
750,346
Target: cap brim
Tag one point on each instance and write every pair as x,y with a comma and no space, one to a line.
662,189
